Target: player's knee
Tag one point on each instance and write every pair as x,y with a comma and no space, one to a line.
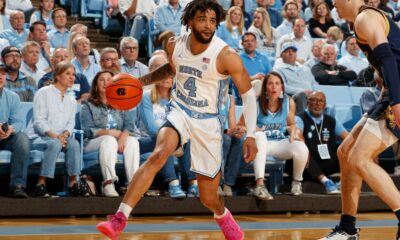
210,202
342,152
157,159
357,161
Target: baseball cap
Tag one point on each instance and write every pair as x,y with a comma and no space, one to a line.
9,49
2,66
288,45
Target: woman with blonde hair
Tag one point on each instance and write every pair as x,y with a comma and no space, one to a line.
261,27
232,29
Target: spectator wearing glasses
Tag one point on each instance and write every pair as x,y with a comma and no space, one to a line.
17,81
59,35
320,132
129,49
109,60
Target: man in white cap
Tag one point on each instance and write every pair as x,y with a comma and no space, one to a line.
298,79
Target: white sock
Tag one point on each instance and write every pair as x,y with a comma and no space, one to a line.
174,182
221,216
324,179
125,209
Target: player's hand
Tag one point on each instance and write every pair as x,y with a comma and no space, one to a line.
396,113
249,149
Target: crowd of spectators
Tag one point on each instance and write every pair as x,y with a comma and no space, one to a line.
287,47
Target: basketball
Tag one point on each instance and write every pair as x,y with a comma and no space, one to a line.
125,92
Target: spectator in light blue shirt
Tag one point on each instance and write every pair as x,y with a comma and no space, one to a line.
232,29
290,13
256,64
167,17
82,63
12,139
274,15
59,35
129,49
16,35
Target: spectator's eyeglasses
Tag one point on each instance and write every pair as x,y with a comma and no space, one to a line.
319,101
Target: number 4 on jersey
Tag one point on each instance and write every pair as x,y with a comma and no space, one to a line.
190,85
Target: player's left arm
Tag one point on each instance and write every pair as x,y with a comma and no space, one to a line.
371,27
230,63
163,72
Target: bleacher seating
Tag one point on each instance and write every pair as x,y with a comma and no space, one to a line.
92,8
35,156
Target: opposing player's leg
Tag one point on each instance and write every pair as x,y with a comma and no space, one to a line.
209,197
356,155
167,142
351,187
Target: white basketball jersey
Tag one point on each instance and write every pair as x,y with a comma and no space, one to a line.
199,86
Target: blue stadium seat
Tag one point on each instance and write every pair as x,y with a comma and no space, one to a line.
35,156
273,167
92,8
153,32
335,94
347,114
356,93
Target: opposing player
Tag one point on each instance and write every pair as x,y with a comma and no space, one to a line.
201,63
379,38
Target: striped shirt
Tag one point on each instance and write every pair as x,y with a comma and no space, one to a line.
24,86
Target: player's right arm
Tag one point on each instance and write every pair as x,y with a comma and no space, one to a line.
371,26
165,71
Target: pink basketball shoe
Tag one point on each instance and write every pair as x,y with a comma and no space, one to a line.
114,226
229,227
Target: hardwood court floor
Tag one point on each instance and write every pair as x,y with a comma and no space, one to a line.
374,226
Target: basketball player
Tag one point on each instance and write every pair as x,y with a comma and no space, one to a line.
201,63
379,38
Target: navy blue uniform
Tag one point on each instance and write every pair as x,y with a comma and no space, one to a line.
381,109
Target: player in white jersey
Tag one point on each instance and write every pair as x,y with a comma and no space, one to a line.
202,63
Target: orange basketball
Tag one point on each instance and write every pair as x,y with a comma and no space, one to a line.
125,92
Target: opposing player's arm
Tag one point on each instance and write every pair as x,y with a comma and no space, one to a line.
372,27
165,71
230,63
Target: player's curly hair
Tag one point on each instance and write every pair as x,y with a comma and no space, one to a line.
202,5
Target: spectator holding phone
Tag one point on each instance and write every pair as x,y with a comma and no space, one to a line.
12,139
